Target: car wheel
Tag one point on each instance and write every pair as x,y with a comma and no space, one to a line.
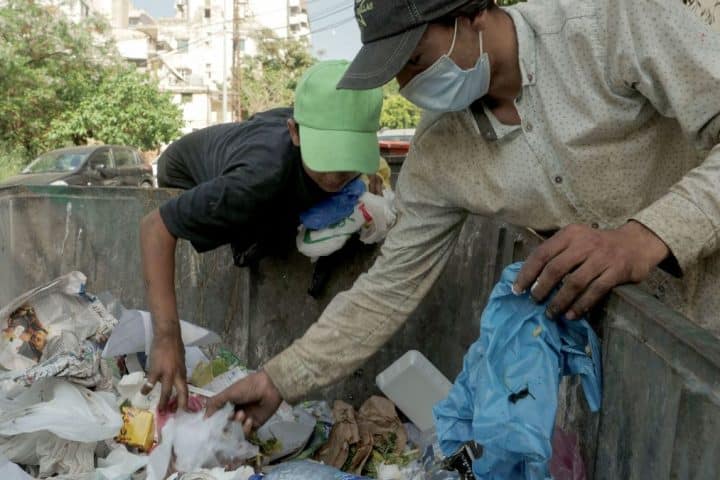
146,185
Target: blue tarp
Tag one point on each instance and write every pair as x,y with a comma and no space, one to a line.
506,396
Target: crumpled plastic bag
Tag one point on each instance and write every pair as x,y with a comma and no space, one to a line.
506,396
335,208
242,473
31,321
304,470
380,216
56,424
134,333
372,217
68,357
197,442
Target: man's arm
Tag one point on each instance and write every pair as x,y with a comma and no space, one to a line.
359,321
157,246
660,50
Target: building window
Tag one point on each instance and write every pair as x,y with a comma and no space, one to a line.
186,97
207,13
182,45
241,44
208,69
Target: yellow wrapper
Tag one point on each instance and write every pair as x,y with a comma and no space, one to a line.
138,428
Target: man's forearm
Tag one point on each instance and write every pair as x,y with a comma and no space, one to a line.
157,246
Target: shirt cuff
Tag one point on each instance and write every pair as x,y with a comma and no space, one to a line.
289,377
685,228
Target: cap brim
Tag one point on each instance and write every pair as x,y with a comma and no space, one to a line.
378,62
339,150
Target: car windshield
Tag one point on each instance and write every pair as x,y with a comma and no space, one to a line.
57,161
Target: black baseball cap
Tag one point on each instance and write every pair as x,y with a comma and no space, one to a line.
390,31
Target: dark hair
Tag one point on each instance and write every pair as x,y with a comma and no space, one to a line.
470,9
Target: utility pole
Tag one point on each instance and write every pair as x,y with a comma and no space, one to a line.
237,54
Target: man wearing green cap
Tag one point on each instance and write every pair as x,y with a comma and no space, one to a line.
595,119
246,184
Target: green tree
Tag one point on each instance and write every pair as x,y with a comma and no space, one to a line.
51,67
397,112
268,80
125,108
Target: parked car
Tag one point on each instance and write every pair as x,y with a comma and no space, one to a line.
100,165
394,146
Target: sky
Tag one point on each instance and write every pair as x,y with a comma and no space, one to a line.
337,34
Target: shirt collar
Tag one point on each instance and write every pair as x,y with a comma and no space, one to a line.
526,46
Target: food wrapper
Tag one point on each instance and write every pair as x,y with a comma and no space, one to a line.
138,428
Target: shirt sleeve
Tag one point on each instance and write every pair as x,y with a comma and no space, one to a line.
663,51
215,212
359,321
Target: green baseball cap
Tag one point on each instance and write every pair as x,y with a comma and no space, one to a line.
338,128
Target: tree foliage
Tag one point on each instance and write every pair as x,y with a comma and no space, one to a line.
126,108
53,70
397,112
268,80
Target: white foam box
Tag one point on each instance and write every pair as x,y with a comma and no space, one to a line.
415,385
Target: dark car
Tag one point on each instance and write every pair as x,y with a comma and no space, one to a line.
101,165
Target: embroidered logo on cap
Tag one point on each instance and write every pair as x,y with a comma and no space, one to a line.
362,7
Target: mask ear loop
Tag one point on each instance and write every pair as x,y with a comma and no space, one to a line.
452,47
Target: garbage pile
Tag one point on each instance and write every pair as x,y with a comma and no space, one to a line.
72,367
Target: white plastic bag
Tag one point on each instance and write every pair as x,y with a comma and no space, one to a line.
10,471
198,443
63,409
380,216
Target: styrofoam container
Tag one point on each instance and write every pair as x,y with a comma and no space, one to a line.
415,385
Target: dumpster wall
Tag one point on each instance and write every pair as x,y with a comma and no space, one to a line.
661,407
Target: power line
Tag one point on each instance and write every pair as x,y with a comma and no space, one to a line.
219,32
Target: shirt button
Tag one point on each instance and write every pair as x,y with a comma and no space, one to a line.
558,179
595,225
528,127
530,77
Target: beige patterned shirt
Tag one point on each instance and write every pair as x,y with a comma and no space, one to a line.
620,109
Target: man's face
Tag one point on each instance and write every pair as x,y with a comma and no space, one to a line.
436,42
331,182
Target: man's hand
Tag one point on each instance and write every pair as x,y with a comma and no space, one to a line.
589,263
375,184
255,397
167,366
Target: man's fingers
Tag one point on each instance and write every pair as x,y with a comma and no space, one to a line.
182,393
247,426
165,393
594,293
574,285
537,260
556,270
150,384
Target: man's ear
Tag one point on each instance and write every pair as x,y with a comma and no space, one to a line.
294,130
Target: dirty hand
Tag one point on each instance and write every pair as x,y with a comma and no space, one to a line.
589,263
375,184
256,398
167,366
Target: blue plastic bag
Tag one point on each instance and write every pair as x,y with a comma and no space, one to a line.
506,396
303,470
335,208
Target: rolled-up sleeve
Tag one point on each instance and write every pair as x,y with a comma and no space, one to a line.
661,50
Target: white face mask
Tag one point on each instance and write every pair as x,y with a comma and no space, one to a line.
445,87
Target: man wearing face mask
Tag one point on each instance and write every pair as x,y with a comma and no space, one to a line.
599,119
